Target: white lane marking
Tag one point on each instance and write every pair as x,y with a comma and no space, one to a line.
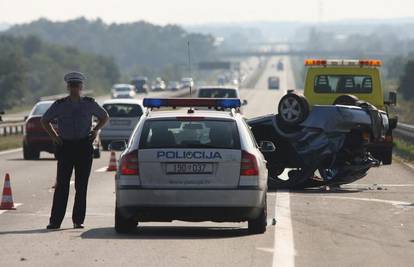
103,169
15,205
10,151
392,202
284,251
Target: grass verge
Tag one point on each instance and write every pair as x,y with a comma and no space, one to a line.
404,149
10,142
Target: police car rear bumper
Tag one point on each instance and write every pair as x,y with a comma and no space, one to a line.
230,205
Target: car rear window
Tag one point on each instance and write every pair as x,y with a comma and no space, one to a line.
123,110
123,89
343,84
217,93
41,108
190,134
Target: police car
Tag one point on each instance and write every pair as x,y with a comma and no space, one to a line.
191,165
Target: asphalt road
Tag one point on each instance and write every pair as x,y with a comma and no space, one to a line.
369,223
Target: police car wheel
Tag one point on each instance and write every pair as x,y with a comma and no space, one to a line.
293,108
258,225
122,224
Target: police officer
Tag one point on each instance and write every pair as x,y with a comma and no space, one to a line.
74,148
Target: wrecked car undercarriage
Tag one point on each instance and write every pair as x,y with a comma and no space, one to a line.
328,147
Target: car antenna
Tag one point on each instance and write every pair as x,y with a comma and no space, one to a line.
189,62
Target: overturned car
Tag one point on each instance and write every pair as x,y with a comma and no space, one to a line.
323,145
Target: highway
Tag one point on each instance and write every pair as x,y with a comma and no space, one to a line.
368,223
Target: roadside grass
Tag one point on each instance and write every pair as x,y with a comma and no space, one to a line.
404,149
10,142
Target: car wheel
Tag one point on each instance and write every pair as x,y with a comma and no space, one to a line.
258,225
29,154
96,153
122,224
349,100
105,145
293,108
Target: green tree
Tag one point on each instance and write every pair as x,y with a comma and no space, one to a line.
407,81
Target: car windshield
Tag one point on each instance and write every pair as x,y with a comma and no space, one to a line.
217,93
123,110
122,89
190,134
41,108
343,84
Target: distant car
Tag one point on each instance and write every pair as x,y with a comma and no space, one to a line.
141,85
124,114
280,66
123,91
273,82
158,85
173,86
187,83
1,113
36,139
219,92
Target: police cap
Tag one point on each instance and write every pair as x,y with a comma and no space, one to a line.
74,77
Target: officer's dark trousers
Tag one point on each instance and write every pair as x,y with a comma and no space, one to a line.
73,154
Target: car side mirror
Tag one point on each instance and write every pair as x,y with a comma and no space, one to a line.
244,103
267,146
392,98
117,145
25,117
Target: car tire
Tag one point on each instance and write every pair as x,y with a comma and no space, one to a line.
96,153
258,225
349,100
30,154
105,145
124,225
293,109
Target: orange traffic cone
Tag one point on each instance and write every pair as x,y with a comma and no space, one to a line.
7,198
112,163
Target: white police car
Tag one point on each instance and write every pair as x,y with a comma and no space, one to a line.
191,165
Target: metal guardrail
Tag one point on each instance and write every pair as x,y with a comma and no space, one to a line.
405,132
11,128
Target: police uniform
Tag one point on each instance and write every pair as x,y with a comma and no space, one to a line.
74,120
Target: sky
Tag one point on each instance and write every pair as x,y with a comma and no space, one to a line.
206,11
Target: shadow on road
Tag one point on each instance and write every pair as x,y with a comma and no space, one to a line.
323,190
169,232
42,159
29,231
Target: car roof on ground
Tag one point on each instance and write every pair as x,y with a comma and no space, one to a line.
123,101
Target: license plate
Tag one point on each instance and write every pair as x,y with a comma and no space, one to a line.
189,168
120,122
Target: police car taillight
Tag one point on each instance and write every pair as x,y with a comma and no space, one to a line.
192,102
248,165
129,163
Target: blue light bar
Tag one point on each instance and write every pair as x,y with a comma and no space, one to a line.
192,102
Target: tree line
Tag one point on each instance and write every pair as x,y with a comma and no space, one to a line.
31,68
138,48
